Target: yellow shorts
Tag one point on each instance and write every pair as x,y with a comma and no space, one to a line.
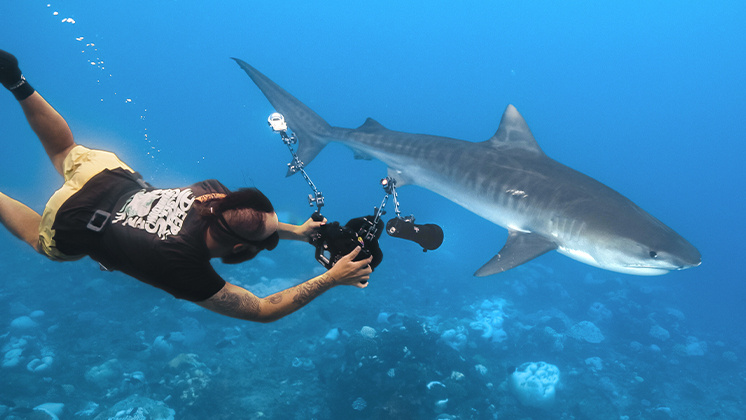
80,165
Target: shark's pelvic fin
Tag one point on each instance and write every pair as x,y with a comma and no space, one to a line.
513,133
519,248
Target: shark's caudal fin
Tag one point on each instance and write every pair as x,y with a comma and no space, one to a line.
310,129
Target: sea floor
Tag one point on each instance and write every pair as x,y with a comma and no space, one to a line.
79,343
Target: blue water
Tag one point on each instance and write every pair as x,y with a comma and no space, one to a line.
647,98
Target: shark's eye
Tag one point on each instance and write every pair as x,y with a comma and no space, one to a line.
653,254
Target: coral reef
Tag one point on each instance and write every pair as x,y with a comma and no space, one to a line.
426,352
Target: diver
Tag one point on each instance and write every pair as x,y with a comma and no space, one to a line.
163,237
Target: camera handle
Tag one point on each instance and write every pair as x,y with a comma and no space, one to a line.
278,124
428,236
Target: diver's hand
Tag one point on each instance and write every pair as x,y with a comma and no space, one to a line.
10,73
309,227
12,78
352,273
298,232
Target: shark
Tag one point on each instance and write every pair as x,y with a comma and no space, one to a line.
508,180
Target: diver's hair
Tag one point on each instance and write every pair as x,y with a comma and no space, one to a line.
244,211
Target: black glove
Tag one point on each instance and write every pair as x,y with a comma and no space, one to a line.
12,78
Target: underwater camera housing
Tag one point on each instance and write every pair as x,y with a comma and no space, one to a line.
333,241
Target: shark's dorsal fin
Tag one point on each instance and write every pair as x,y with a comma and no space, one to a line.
513,132
520,248
370,126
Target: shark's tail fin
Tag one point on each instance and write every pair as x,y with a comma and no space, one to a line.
310,129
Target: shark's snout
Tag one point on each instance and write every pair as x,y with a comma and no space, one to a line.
690,258
682,255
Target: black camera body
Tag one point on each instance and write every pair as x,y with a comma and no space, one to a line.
333,241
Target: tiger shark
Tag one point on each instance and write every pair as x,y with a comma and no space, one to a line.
509,181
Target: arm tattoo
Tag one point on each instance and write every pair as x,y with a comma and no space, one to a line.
239,303
308,291
276,299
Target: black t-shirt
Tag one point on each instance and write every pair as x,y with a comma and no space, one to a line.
154,235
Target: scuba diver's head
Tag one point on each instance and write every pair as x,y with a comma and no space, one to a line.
244,219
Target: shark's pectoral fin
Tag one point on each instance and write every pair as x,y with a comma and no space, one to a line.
518,249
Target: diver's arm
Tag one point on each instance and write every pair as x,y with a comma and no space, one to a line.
237,302
298,232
